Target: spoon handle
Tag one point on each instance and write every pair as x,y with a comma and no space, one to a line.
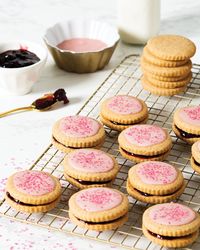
16,110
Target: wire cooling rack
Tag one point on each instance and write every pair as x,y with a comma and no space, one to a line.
125,79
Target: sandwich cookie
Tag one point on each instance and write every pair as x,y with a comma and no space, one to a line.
74,132
99,208
171,225
32,191
195,158
186,124
144,142
86,168
155,182
122,111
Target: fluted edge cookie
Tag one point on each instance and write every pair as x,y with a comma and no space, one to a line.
178,242
165,78
168,84
98,208
171,47
160,62
120,111
147,85
32,191
166,71
171,224
77,132
156,178
188,119
90,167
144,141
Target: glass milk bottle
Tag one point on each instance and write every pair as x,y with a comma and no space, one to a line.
138,20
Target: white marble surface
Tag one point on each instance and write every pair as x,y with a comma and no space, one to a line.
24,136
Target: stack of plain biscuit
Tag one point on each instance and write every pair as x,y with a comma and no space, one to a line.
166,64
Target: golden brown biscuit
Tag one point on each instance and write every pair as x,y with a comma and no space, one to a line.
160,62
120,111
98,208
85,168
74,132
32,191
171,47
171,224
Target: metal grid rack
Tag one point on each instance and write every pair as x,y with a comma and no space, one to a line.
125,79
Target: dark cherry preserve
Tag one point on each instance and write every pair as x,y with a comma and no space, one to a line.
17,58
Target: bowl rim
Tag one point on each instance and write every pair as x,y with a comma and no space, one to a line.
81,20
42,60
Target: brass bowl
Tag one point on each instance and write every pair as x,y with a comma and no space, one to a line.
84,62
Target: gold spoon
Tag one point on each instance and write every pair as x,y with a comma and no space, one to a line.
42,104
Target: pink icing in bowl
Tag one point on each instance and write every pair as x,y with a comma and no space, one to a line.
173,214
81,45
124,105
154,172
90,161
34,183
79,126
144,135
98,199
90,44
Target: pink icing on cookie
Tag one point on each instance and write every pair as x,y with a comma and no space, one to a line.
125,105
98,199
90,160
33,182
79,126
172,214
190,115
144,135
154,172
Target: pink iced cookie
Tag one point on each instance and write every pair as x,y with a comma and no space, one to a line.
144,135
156,173
124,105
34,183
190,115
98,199
79,126
171,214
90,160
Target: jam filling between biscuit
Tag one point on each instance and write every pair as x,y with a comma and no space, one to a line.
196,163
149,195
143,156
162,237
22,203
187,135
90,182
122,124
70,146
102,222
